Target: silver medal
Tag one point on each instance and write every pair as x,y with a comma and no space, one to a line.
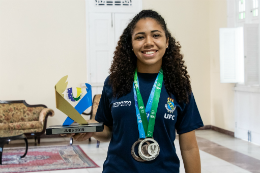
137,158
149,152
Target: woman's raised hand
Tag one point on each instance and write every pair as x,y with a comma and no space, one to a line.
82,136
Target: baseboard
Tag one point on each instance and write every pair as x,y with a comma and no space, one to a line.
206,127
217,129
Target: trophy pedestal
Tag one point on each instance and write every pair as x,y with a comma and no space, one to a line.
75,128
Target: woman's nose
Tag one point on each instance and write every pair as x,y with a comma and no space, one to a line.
149,42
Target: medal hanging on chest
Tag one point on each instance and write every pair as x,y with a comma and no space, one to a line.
148,148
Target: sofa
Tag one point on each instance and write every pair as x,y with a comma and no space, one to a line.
17,115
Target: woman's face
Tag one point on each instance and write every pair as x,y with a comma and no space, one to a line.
149,43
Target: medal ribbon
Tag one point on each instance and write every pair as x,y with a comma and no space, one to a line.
147,109
146,129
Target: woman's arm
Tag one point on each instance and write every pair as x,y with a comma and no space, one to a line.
104,136
190,152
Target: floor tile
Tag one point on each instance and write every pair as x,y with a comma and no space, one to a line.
95,170
230,156
69,171
225,169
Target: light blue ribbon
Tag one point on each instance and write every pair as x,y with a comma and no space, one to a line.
147,108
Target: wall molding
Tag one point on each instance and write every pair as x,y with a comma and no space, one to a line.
217,129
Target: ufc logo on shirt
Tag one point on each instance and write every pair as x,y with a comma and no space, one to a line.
169,116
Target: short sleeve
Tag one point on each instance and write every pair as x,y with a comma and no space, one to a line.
104,110
188,118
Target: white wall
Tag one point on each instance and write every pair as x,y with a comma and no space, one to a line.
222,95
188,21
40,42
44,40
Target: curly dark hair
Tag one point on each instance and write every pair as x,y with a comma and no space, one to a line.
176,78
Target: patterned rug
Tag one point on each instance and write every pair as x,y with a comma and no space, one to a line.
45,159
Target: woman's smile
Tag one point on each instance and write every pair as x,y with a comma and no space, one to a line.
149,53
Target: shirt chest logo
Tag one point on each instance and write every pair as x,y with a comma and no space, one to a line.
169,116
122,103
170,107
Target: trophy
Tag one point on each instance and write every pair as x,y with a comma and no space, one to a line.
73,113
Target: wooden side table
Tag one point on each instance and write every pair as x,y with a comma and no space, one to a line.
6,136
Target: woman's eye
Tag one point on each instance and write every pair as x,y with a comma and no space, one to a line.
139,38
156,35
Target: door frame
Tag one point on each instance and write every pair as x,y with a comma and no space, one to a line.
91,8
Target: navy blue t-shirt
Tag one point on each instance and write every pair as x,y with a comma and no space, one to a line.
120,113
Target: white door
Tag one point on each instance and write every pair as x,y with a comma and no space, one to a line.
105,21
121,22
101,46
251,46
105,30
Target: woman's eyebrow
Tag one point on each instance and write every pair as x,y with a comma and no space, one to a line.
144,32
155,31
139,33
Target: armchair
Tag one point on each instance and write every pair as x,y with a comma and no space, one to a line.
93,111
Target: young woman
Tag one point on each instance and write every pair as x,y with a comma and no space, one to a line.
145,99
